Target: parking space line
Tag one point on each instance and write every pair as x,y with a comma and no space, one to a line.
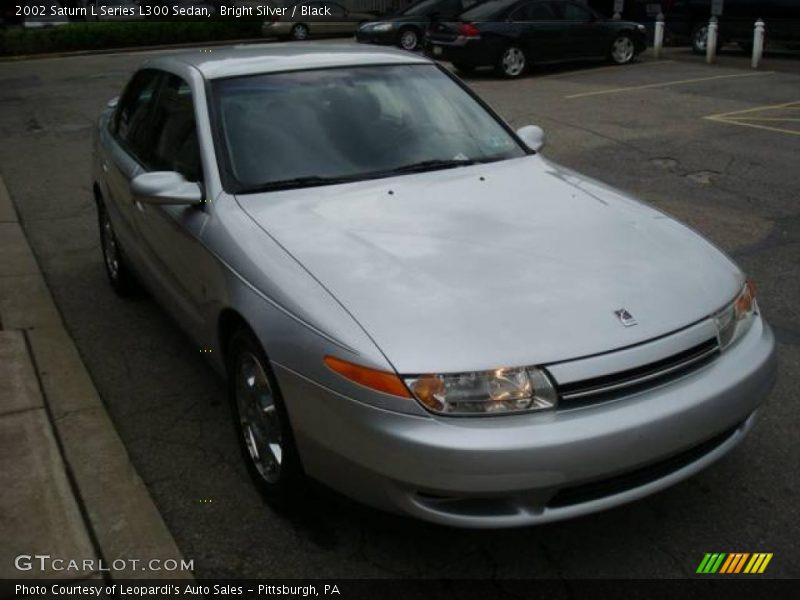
743,118
665,84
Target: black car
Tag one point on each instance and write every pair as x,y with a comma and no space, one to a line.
407,27
512,34
689,18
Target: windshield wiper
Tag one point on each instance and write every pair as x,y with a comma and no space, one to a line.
296,182
432,165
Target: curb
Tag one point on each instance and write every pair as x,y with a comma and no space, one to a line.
118,514
129,49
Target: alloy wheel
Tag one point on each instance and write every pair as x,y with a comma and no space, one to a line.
700,40
513,62
258,417
623,50
299,32
408,39
110,248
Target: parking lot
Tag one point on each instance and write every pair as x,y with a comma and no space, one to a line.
715,146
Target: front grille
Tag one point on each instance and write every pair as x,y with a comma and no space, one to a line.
623,383
595,490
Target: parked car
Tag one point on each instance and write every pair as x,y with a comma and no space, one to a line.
40,15
406,29
410,303
511,34
320,17
689,18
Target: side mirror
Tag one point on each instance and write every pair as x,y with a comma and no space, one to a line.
532,136
165,187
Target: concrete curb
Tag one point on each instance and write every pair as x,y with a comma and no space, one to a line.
42,371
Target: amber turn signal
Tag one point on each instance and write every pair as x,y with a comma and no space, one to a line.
382,381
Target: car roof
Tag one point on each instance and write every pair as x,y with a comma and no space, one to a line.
251,59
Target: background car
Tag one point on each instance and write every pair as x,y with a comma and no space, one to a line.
511,34
298,27
406,28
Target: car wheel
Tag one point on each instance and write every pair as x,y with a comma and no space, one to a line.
512,62
299,32
464,68
623,50
408,39
261,421
700,39
120,276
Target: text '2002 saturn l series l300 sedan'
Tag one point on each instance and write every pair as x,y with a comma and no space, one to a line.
409,302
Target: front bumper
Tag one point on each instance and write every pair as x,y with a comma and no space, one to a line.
526,469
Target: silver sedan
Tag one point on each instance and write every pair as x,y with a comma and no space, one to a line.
409,302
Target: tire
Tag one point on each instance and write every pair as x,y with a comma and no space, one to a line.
623,50
464,68
263,430
512,62
699,38
121,278
299,32
408,39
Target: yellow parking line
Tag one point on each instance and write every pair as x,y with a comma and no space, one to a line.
787,105
665,84
761,119
754,125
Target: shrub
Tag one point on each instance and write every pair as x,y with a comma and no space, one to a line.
94,36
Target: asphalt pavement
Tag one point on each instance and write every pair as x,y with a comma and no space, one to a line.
715,146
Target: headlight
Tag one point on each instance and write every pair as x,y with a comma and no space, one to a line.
500,391
735,319
379,26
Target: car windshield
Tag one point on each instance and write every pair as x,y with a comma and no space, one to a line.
316,127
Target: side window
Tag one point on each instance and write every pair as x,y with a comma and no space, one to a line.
134,106
535,11
574,12
169,142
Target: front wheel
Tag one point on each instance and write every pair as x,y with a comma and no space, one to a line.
512,63
623,50
299,32
700,39
261,421
408,39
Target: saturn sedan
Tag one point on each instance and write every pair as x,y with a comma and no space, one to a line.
409,302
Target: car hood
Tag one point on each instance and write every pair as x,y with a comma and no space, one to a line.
511,263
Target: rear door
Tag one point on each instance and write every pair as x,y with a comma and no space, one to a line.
542,31
584,35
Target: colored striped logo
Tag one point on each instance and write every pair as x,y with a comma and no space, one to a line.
734,563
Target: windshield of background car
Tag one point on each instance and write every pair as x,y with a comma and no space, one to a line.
352,123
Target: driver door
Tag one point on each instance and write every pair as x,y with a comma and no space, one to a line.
170,234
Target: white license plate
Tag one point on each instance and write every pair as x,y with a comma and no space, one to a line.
437,50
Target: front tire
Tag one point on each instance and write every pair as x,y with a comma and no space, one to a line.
119,274
623,50
408,39
299,32
261,421
512,63
700,39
